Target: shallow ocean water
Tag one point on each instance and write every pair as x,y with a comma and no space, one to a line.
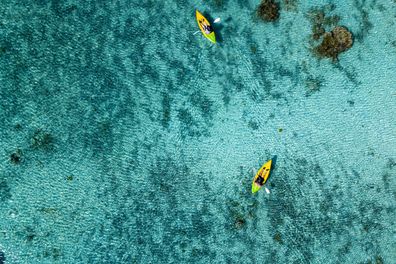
127,138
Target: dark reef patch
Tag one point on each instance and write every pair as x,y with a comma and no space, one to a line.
388,175
242,208
18,127
241,212
29,234
53,253
16,157
349,73
42,139
166,109
379,260
101,140
226,95
393,44
313,85
253,125
3,50
62,11
5,190
278,237
322,22
188,125
345,249
202,103
2,257
253,48
362,19
268,10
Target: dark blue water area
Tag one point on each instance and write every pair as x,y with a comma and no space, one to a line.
127,137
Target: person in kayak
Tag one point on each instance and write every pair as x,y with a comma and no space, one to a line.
259,180
207,28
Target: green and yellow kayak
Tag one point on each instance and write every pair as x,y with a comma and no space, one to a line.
205,27
261,176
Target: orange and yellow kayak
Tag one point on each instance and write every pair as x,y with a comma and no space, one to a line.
261,176
205,27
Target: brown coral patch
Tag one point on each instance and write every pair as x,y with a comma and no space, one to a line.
343,37
335,42
268,10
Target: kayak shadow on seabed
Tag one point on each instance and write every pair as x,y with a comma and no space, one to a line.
273,167
217,27
273,171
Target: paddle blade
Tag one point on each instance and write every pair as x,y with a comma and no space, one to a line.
267,190
217,20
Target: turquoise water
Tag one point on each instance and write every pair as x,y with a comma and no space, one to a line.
127,138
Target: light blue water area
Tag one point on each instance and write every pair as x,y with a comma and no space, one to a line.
127,138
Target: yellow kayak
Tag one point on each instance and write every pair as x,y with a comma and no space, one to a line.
261,176
205,27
